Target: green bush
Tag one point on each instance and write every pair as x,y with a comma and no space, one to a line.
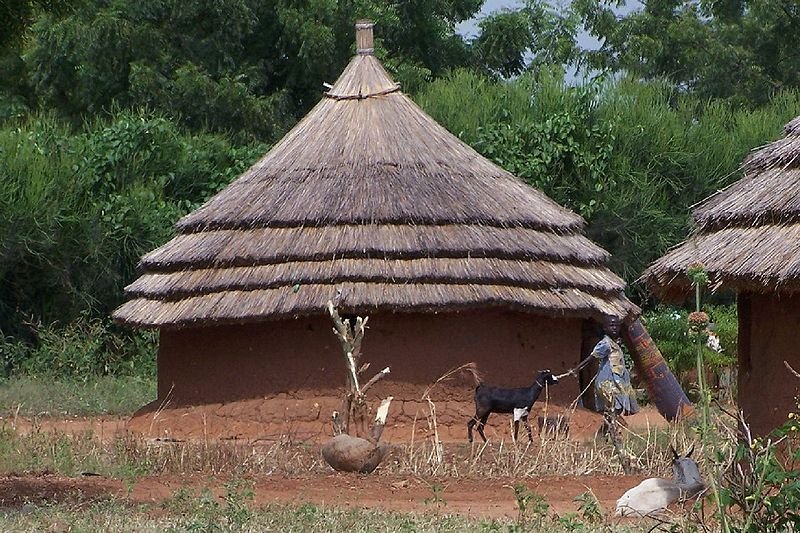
78,209
81,350
668,326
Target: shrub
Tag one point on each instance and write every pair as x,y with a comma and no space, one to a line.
761,483
81,349
78,210
669,328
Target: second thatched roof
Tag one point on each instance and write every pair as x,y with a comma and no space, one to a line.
748,235
370,203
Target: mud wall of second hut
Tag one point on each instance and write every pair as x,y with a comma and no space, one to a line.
302,357
768,329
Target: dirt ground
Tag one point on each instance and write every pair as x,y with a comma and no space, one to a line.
493,498
308,419
485,499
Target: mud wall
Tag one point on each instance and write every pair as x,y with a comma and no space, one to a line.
768,327
302,357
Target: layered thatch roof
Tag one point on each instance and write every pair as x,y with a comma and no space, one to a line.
748,235
370,203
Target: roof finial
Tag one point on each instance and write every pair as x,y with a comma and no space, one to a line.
364,44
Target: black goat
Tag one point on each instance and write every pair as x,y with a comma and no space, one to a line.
490,399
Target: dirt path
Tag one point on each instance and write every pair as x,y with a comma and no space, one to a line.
475,498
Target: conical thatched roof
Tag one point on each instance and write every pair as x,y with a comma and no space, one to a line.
748,235
370,203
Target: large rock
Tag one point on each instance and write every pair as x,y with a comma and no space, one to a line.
346,453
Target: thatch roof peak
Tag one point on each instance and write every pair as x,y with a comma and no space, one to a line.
370,192
364,77
390,163
364,41
748,234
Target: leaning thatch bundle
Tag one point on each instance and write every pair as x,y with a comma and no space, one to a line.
370,203
748,235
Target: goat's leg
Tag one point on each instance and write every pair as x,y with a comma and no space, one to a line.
470,425
482,423
516,429
527,427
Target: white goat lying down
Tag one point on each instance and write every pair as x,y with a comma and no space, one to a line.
654,495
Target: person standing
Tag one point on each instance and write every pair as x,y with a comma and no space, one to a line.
613,389
614,394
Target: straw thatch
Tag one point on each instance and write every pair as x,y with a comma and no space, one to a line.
748,235
370,203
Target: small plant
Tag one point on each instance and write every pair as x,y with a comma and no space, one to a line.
761,484
196,512
204,512
528,501
571,522
589,507
437,497
238,495
522,495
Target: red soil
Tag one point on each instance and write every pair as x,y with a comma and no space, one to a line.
304,419
475,498
265,419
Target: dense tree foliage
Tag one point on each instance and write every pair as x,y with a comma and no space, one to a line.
527,39
117,117
242,66
743,50
630,157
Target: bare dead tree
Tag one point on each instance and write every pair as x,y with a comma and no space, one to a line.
352,418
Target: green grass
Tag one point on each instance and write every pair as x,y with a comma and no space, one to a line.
47,397
193,512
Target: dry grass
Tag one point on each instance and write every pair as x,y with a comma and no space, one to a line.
550,454
131,456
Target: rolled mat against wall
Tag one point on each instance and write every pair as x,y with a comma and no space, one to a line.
663,388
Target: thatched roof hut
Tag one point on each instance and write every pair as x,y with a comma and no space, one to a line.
747,235
370,203
747,238
368,198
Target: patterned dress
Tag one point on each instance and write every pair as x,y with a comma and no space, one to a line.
613,390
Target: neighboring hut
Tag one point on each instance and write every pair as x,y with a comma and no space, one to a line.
370,203
748,240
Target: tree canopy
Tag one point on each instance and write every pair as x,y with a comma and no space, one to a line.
243,66
742,50
119,116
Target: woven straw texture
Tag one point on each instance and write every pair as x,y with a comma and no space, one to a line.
370,203
747,235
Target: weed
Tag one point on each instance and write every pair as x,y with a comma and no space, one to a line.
589,507
761,482
528,501
437,497
238,496
571,522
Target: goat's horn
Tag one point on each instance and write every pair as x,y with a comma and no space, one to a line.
674,453
691,450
